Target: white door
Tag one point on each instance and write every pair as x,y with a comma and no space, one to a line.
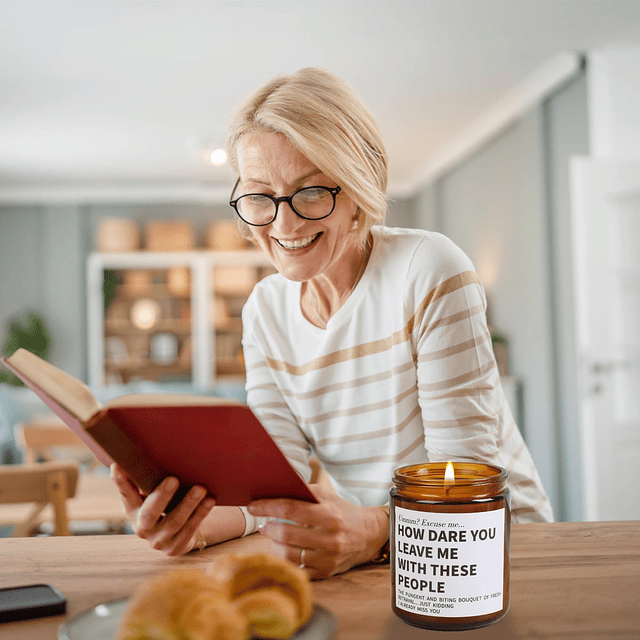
606,224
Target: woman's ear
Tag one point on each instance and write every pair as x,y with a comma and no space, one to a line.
357,219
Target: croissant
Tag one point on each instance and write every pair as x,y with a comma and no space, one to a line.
238,596
273,594
182,603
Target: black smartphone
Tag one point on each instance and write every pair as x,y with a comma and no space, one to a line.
30,601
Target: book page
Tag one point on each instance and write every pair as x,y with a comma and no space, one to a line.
72,394
168,400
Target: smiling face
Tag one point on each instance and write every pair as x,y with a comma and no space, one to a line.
299,249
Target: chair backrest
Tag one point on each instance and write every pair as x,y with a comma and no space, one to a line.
39,438
46,483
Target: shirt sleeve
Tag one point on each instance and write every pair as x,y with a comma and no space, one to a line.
458,380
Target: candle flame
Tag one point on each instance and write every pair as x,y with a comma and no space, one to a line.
449,473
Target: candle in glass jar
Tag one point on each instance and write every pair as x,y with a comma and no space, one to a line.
450,528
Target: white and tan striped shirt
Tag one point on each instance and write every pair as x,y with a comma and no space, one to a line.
403,373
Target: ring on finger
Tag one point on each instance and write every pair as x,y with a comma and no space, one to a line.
302,554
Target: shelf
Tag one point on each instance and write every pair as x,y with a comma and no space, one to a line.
232,378
147,370
125,328
155,291
230,326
230,366
203,319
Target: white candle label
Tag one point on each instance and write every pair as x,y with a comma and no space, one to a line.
449,565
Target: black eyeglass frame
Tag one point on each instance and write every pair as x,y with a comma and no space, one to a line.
334,191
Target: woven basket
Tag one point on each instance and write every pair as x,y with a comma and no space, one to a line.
117,234
223,235
169,235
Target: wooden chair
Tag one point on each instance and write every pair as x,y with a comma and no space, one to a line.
39,440
97,507
48,483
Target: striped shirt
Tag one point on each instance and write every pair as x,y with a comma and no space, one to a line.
403,373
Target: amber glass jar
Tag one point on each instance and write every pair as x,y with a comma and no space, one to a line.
450,545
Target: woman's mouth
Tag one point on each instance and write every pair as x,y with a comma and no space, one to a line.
300,243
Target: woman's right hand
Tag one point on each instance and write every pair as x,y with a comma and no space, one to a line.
173,533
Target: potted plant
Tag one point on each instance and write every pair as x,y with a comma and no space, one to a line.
29,331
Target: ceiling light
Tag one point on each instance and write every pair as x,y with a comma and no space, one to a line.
218,157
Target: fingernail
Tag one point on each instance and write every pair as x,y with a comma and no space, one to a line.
198,492
172,484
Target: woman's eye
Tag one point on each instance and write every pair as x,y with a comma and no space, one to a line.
258,200
312,194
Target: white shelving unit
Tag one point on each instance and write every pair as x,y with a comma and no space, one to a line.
200,325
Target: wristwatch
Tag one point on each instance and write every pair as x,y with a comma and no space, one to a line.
385,552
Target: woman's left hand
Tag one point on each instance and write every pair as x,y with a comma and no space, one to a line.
329,537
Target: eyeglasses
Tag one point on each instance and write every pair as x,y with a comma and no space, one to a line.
260,209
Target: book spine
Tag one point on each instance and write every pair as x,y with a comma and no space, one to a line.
63,413
146,475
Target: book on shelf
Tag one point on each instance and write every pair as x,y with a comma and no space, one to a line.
215,442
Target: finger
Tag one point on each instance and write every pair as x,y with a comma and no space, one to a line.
129,493
321,549
306,559
119,476
291,553
321,516
321,491
173,523
184,540
296,555
154,505
172,526
293,535
298,511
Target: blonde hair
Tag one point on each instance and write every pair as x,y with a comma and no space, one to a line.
324,119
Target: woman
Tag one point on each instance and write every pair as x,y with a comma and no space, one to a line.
369,349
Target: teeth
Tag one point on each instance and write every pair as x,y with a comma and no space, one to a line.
297,244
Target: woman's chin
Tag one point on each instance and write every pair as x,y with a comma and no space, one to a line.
296,274
298,265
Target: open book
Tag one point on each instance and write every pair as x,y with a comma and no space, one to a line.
214,442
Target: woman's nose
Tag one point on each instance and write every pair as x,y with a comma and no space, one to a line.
287,221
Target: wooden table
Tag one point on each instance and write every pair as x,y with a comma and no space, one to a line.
569,581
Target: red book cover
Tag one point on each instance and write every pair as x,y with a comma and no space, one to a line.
222,447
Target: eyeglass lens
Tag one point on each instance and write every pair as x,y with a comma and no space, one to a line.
312,202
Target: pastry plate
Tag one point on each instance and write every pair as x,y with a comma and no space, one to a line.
101,623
